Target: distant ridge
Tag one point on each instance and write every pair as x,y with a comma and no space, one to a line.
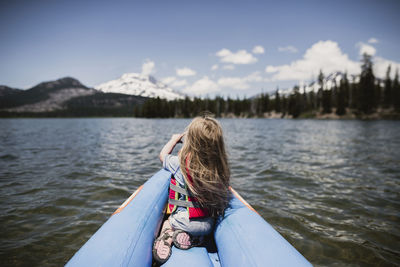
5,90
65,97
44,97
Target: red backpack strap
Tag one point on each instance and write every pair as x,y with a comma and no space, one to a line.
172,195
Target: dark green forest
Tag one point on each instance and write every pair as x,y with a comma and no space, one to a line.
362,98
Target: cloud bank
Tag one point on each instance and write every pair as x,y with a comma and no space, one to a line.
258,49
373,40
239,57
202,86
328,57
148,67
240,83
229,67
366,48
173,82
323,55
289,48
185,72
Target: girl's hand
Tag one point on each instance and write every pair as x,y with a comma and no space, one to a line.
177,138
167,149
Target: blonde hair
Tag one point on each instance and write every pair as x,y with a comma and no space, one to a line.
204,158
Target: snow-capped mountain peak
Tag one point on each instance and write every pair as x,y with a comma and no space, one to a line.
140,85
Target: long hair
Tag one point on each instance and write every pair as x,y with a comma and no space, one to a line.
203,158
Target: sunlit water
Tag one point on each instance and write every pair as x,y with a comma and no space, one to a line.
331,188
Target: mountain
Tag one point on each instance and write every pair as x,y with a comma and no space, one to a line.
329,83
5,90
139,85
65,97
44,97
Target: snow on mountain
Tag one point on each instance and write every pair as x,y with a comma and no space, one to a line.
139,85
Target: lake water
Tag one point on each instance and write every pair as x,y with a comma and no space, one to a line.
331,188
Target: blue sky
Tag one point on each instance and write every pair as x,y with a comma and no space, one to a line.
232,48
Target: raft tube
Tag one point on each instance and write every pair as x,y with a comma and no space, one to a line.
242,236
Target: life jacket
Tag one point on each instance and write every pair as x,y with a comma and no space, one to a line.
189,202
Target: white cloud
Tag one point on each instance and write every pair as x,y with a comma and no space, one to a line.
325,55
168,80
381,64
173,82
366,48
254,77
289,48
373,40
202,86
233,82
240,57
214,67
179,83
185,72
228,67
240,83
148,67
271,69
258,49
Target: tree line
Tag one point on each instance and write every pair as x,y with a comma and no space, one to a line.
362,97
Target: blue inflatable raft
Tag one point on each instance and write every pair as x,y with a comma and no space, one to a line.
241,238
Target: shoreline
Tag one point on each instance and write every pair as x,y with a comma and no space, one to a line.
380,114
351,114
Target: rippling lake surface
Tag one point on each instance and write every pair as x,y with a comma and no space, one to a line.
331,188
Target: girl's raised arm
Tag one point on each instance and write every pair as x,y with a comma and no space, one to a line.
167,149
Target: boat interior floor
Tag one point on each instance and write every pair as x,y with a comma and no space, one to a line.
205,254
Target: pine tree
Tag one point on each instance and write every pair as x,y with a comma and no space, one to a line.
346,87
295,103
284,105
186,108
218,104
396,91
378,92
353,94
306,104
320,89
334,92
366,86
341,97
277,101
326,101
325,95
266,104
313,103
237,106
259,102
387,91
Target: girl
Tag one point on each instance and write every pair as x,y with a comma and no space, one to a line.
199,188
